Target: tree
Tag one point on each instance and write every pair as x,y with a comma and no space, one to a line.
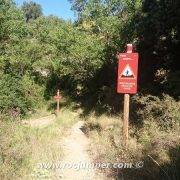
18,89
78,6
158,31
31,10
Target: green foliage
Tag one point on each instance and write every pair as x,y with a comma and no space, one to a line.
164,111
31,10
18,95
158,31
78,6
12,25
80,57
49,53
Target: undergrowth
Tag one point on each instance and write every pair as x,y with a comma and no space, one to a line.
23,148
154,139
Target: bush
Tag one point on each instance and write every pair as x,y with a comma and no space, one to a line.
18,95
164,111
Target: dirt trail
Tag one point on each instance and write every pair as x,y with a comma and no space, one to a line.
75,148
40,122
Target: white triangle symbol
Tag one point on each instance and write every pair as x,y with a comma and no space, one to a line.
127,72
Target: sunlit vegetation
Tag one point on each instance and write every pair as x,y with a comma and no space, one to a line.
40,54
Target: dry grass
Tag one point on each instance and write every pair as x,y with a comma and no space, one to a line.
150,140
47,147
23,148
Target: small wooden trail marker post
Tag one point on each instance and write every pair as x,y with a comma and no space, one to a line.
127,83
57,98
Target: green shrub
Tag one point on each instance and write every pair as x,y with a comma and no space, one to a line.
18,95
165,111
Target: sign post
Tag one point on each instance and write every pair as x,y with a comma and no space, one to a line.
126,119
127,83
57,98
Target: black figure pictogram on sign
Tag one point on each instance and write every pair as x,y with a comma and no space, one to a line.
127,72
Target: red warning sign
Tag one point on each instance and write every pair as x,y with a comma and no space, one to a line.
127,73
